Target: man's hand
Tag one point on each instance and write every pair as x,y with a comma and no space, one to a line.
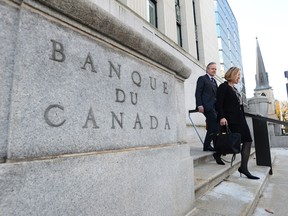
201,109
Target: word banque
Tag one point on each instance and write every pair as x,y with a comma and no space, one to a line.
117,120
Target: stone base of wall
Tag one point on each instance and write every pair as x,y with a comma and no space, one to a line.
156,181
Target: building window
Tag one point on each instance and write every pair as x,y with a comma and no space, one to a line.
196,33
178,22
152,12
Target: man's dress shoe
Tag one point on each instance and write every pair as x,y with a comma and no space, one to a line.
208,148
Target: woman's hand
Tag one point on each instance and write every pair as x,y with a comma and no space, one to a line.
223,121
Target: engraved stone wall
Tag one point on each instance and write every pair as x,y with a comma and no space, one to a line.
72,93
92,115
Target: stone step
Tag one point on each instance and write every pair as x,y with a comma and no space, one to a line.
234,195
219,189
207,173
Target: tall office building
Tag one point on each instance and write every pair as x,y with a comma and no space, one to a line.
228,40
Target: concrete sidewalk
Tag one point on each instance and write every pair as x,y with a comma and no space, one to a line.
274,200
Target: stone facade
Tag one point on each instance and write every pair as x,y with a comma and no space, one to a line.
92,115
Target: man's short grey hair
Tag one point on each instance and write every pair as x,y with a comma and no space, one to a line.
211,63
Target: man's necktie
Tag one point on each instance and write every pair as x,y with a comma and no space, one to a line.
213,81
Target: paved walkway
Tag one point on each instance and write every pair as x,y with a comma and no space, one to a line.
275,196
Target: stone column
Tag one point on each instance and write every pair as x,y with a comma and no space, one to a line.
258,105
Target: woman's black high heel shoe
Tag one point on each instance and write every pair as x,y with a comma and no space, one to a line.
247,174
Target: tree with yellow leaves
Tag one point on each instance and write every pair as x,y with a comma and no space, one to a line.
284,113
278,109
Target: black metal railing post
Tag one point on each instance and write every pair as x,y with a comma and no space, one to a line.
262,144
261,139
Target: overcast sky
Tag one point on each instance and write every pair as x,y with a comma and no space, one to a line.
267,20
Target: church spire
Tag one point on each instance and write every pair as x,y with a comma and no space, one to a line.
261,76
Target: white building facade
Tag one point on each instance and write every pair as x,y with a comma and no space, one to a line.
185,28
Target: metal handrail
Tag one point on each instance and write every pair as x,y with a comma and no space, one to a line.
262,118
193,111
193,124
261,137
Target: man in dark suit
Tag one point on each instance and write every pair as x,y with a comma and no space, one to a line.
205,103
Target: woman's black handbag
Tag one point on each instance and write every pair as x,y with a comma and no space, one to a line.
227,142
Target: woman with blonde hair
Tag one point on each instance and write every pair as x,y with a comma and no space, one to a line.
231,112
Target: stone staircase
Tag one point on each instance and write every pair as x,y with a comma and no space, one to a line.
219,189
